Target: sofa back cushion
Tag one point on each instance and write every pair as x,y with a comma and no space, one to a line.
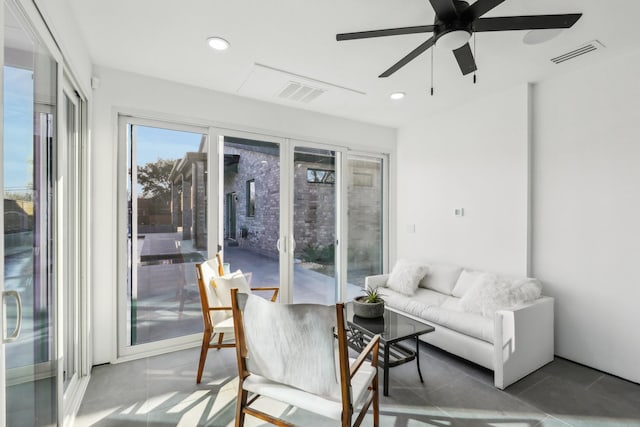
441,278
466,280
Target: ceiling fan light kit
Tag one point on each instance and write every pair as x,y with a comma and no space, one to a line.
455,22
453,40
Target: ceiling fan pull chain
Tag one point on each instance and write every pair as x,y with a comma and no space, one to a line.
476,58
432,71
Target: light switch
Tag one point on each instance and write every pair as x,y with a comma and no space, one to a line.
411,228
458,211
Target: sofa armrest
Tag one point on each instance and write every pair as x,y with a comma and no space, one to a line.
523,340
378,281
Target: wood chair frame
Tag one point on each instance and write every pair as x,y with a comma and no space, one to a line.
207,312
347,372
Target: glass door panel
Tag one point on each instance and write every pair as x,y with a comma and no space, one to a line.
166,229
29,201
250,186
315,196
365,221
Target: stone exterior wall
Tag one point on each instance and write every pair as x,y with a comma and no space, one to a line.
314,216
365,218
260,232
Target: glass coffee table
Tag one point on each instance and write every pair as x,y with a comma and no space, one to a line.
393,328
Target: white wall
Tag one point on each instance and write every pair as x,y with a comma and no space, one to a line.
120,91
586,199
65,30
584,242
473,158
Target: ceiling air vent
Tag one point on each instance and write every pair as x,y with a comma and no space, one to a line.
582,50
296,91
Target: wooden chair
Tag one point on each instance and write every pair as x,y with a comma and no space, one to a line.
215,314
286,352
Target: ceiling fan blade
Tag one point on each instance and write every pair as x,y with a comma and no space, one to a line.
464,56
480,7
384,33
536,22
445,9
412,55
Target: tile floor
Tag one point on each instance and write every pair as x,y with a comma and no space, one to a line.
161,391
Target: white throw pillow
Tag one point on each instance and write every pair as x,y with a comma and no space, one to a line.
498,293
466,280
405,276
224,284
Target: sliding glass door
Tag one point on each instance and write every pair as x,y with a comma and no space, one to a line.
316,188
164,233
250,190
29,152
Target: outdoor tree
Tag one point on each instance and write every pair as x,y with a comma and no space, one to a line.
154,179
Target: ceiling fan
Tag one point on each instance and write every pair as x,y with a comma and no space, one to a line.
455,22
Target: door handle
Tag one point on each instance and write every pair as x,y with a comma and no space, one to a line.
281,245
293,244
16,332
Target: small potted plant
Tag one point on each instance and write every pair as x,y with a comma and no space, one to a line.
369,305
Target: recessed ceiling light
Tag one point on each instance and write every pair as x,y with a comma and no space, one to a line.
397,95
218,43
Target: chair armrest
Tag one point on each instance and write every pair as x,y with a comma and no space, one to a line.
275,290
372,348
378,281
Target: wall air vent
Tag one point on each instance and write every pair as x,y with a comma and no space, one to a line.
296,91
582,50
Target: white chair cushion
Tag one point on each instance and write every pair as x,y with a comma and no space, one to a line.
223,285
405,276
224,327
311,402
292,344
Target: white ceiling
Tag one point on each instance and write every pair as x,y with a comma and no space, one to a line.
167,39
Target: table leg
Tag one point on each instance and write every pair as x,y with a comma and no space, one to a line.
418,358
386,369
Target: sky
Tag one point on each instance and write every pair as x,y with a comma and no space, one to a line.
156,143
18,129
151,143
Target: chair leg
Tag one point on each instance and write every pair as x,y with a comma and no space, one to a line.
240,404
376,404
203,355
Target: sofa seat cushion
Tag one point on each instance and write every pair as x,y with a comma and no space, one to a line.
441,310
414,305
470,324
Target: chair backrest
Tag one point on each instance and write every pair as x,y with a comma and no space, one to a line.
207,271
292,344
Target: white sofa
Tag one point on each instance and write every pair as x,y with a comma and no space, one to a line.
501,323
